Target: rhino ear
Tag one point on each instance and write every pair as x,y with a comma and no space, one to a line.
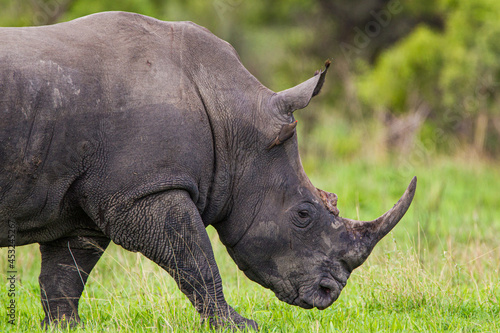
299,96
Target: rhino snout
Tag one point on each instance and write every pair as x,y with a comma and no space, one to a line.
320,295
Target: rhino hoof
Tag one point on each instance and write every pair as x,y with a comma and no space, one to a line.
248,324
61,323
236,323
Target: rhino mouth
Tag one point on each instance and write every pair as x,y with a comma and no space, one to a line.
320,295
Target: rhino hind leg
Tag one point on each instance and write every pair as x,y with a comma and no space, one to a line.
168,229
66,265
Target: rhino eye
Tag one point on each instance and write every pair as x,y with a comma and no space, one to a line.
303,214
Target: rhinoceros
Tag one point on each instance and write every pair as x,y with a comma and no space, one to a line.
118,126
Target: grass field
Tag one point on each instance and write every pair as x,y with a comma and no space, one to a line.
438,270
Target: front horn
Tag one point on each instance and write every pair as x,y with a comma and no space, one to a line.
364,235
369,233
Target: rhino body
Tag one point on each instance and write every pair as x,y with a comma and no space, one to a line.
120,127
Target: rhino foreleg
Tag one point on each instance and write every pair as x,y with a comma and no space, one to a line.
66,265
168,229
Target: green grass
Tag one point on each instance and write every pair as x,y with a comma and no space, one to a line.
437,271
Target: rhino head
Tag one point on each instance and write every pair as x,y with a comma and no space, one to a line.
283,232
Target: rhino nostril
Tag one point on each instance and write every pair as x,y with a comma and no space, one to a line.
325,290
328,289
325,296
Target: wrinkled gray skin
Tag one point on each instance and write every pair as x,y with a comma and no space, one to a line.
121,127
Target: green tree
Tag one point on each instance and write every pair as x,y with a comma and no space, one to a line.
454,72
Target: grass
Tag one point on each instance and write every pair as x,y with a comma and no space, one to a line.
437,271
